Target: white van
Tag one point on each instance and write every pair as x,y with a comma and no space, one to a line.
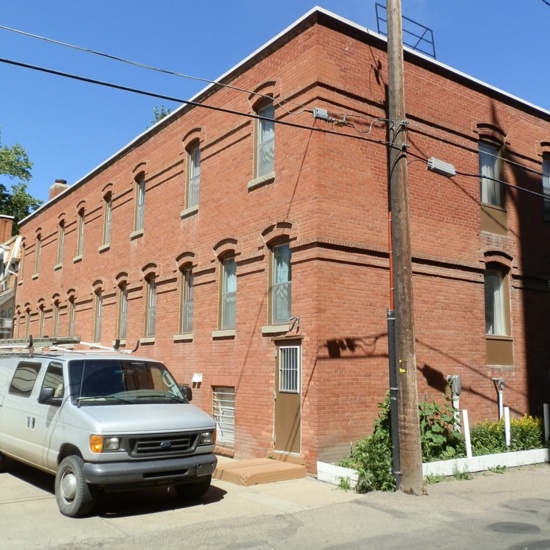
101,420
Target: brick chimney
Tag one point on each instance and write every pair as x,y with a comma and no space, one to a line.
58,187
6,226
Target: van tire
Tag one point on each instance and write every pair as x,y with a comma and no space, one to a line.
193,490
3,462
74,496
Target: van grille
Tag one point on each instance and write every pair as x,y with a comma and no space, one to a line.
163,444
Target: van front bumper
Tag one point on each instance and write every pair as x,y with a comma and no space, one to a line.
148,473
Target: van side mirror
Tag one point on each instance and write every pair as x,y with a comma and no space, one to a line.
186,391
46,397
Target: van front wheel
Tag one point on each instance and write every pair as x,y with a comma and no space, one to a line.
194,490
3,462
73,495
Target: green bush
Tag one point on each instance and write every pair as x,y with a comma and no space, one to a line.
372,457
439,439
489,438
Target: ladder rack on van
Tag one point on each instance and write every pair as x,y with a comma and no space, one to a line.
30,344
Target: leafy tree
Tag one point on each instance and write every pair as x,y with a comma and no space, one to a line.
160,113
17,202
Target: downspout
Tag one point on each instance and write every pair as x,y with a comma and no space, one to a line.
394,409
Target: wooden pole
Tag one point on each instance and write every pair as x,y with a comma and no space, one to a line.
409,430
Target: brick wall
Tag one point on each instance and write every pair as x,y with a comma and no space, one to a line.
329,196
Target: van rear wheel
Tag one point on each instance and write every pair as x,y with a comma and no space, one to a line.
74,496
194,490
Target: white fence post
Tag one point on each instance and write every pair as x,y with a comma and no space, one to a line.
466,423
507,425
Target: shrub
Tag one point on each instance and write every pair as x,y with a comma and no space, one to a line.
372,458
489,438
438,437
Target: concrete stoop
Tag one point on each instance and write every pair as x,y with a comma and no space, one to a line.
258,471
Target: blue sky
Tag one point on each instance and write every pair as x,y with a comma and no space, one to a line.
69,127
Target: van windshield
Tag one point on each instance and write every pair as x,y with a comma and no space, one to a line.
108,381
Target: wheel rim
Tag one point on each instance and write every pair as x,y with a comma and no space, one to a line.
68,486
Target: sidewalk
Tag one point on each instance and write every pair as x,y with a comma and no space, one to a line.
312,513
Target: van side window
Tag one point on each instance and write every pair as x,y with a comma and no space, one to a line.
54,379
24,378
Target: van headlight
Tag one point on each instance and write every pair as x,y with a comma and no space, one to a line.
208,438
103,444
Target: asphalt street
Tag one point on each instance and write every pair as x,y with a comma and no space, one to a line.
509,510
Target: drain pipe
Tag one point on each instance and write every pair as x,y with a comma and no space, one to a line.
392,364
499,385
394,408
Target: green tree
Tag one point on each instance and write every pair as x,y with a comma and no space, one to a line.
160,113
16,202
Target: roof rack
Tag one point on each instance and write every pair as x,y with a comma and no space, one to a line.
30,344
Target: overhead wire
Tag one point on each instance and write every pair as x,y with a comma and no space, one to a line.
344,122
153,68
180,100
279,103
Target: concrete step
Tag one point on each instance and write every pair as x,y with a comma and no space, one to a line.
257,471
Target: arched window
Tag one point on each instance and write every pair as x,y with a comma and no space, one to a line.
193,175
98,316
228,292
122,310
187,299
281,283
265,140
150,306
107,218
140,203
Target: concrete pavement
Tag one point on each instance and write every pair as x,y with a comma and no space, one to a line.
500,509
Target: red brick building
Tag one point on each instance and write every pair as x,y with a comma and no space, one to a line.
243,240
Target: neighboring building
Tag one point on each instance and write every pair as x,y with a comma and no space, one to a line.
10,251
243,240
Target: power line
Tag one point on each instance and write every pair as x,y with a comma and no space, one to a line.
150,67
344,122
184,101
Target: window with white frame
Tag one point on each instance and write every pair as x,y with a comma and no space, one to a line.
546,187
281,284
223,412
193,176
151,307
228,293
265,141
492,190
289,369
140,203
107,218
80,235
98,316
60,243
122,311
37,252
56,318
496,308
187,300
72,316
41,322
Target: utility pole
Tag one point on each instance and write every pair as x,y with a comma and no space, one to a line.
412,480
